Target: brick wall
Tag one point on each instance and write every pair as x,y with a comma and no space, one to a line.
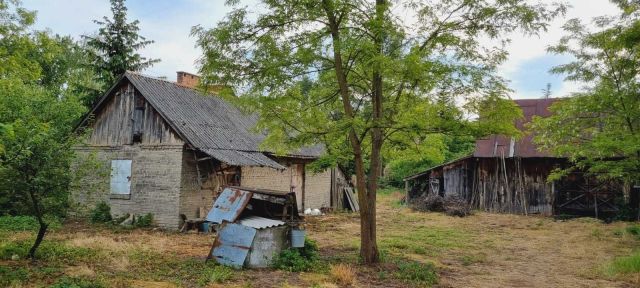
155,181
273,179
317,189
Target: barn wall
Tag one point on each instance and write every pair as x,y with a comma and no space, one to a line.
113,125
155,181
273,179
318,189
196,194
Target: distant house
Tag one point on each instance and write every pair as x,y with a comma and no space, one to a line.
170,150
508,175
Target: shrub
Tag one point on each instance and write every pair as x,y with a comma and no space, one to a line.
101,213
297,259
343,275
144,221
634,230
417,273
26,223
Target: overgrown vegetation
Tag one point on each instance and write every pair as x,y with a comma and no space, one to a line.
143,221
26,223
624,265
101,213
416,273
298,259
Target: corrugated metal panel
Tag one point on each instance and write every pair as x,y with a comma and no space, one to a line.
260,222
229,205
209,123
497,145
232,244
241,158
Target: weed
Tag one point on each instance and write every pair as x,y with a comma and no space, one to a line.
12,276
343,275
101,213
26,223
624,265
215,274
472,259
72,282
297,260
144,221
423,274
634,230
54,251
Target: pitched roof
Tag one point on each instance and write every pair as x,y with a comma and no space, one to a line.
497,145
209,123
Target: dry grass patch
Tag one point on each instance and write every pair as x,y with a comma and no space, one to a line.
343,275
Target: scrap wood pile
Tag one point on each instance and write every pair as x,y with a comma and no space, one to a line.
450,205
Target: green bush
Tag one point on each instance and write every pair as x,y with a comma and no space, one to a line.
26,223
298,259
101,213
417,273
634,230
144,221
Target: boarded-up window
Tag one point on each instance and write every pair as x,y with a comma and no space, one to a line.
138,118
121,177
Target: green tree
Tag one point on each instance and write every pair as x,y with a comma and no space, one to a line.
38,106
372,75
598,128
115,45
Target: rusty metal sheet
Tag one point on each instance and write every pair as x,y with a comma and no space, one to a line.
232,244
497,145
229,205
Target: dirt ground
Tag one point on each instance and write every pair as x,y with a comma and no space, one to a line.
482,250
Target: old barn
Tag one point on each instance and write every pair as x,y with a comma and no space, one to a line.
510,176
169,150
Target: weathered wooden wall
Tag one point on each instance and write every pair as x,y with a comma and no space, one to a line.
114,124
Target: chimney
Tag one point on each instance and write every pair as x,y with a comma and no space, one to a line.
188,79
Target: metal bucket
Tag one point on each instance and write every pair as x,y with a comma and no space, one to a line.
297,238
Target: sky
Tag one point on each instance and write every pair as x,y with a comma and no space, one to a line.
169,22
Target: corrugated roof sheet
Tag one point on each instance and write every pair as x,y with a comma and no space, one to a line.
229,205
497,145
259,222
210,124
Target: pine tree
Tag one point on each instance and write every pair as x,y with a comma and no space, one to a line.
115,45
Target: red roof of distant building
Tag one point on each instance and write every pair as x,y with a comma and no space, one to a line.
498,145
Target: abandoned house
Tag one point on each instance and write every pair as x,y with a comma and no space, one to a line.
168,150
510,176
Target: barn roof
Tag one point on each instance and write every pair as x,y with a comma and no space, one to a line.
209,123
498,145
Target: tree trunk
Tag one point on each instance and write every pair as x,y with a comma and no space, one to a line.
368,244
43,226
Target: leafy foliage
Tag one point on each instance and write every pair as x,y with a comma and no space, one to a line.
298,259
353,75
101,213
599,127
40,100
115,45
143,220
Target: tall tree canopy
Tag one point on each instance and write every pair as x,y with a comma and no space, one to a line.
114,48
42,79
598,128
354,74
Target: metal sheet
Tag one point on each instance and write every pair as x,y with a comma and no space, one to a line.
232,244
497,145
229,205
120,177
259,222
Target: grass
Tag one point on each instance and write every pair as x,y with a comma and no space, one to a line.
343,275
417,250
624,265
26,223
